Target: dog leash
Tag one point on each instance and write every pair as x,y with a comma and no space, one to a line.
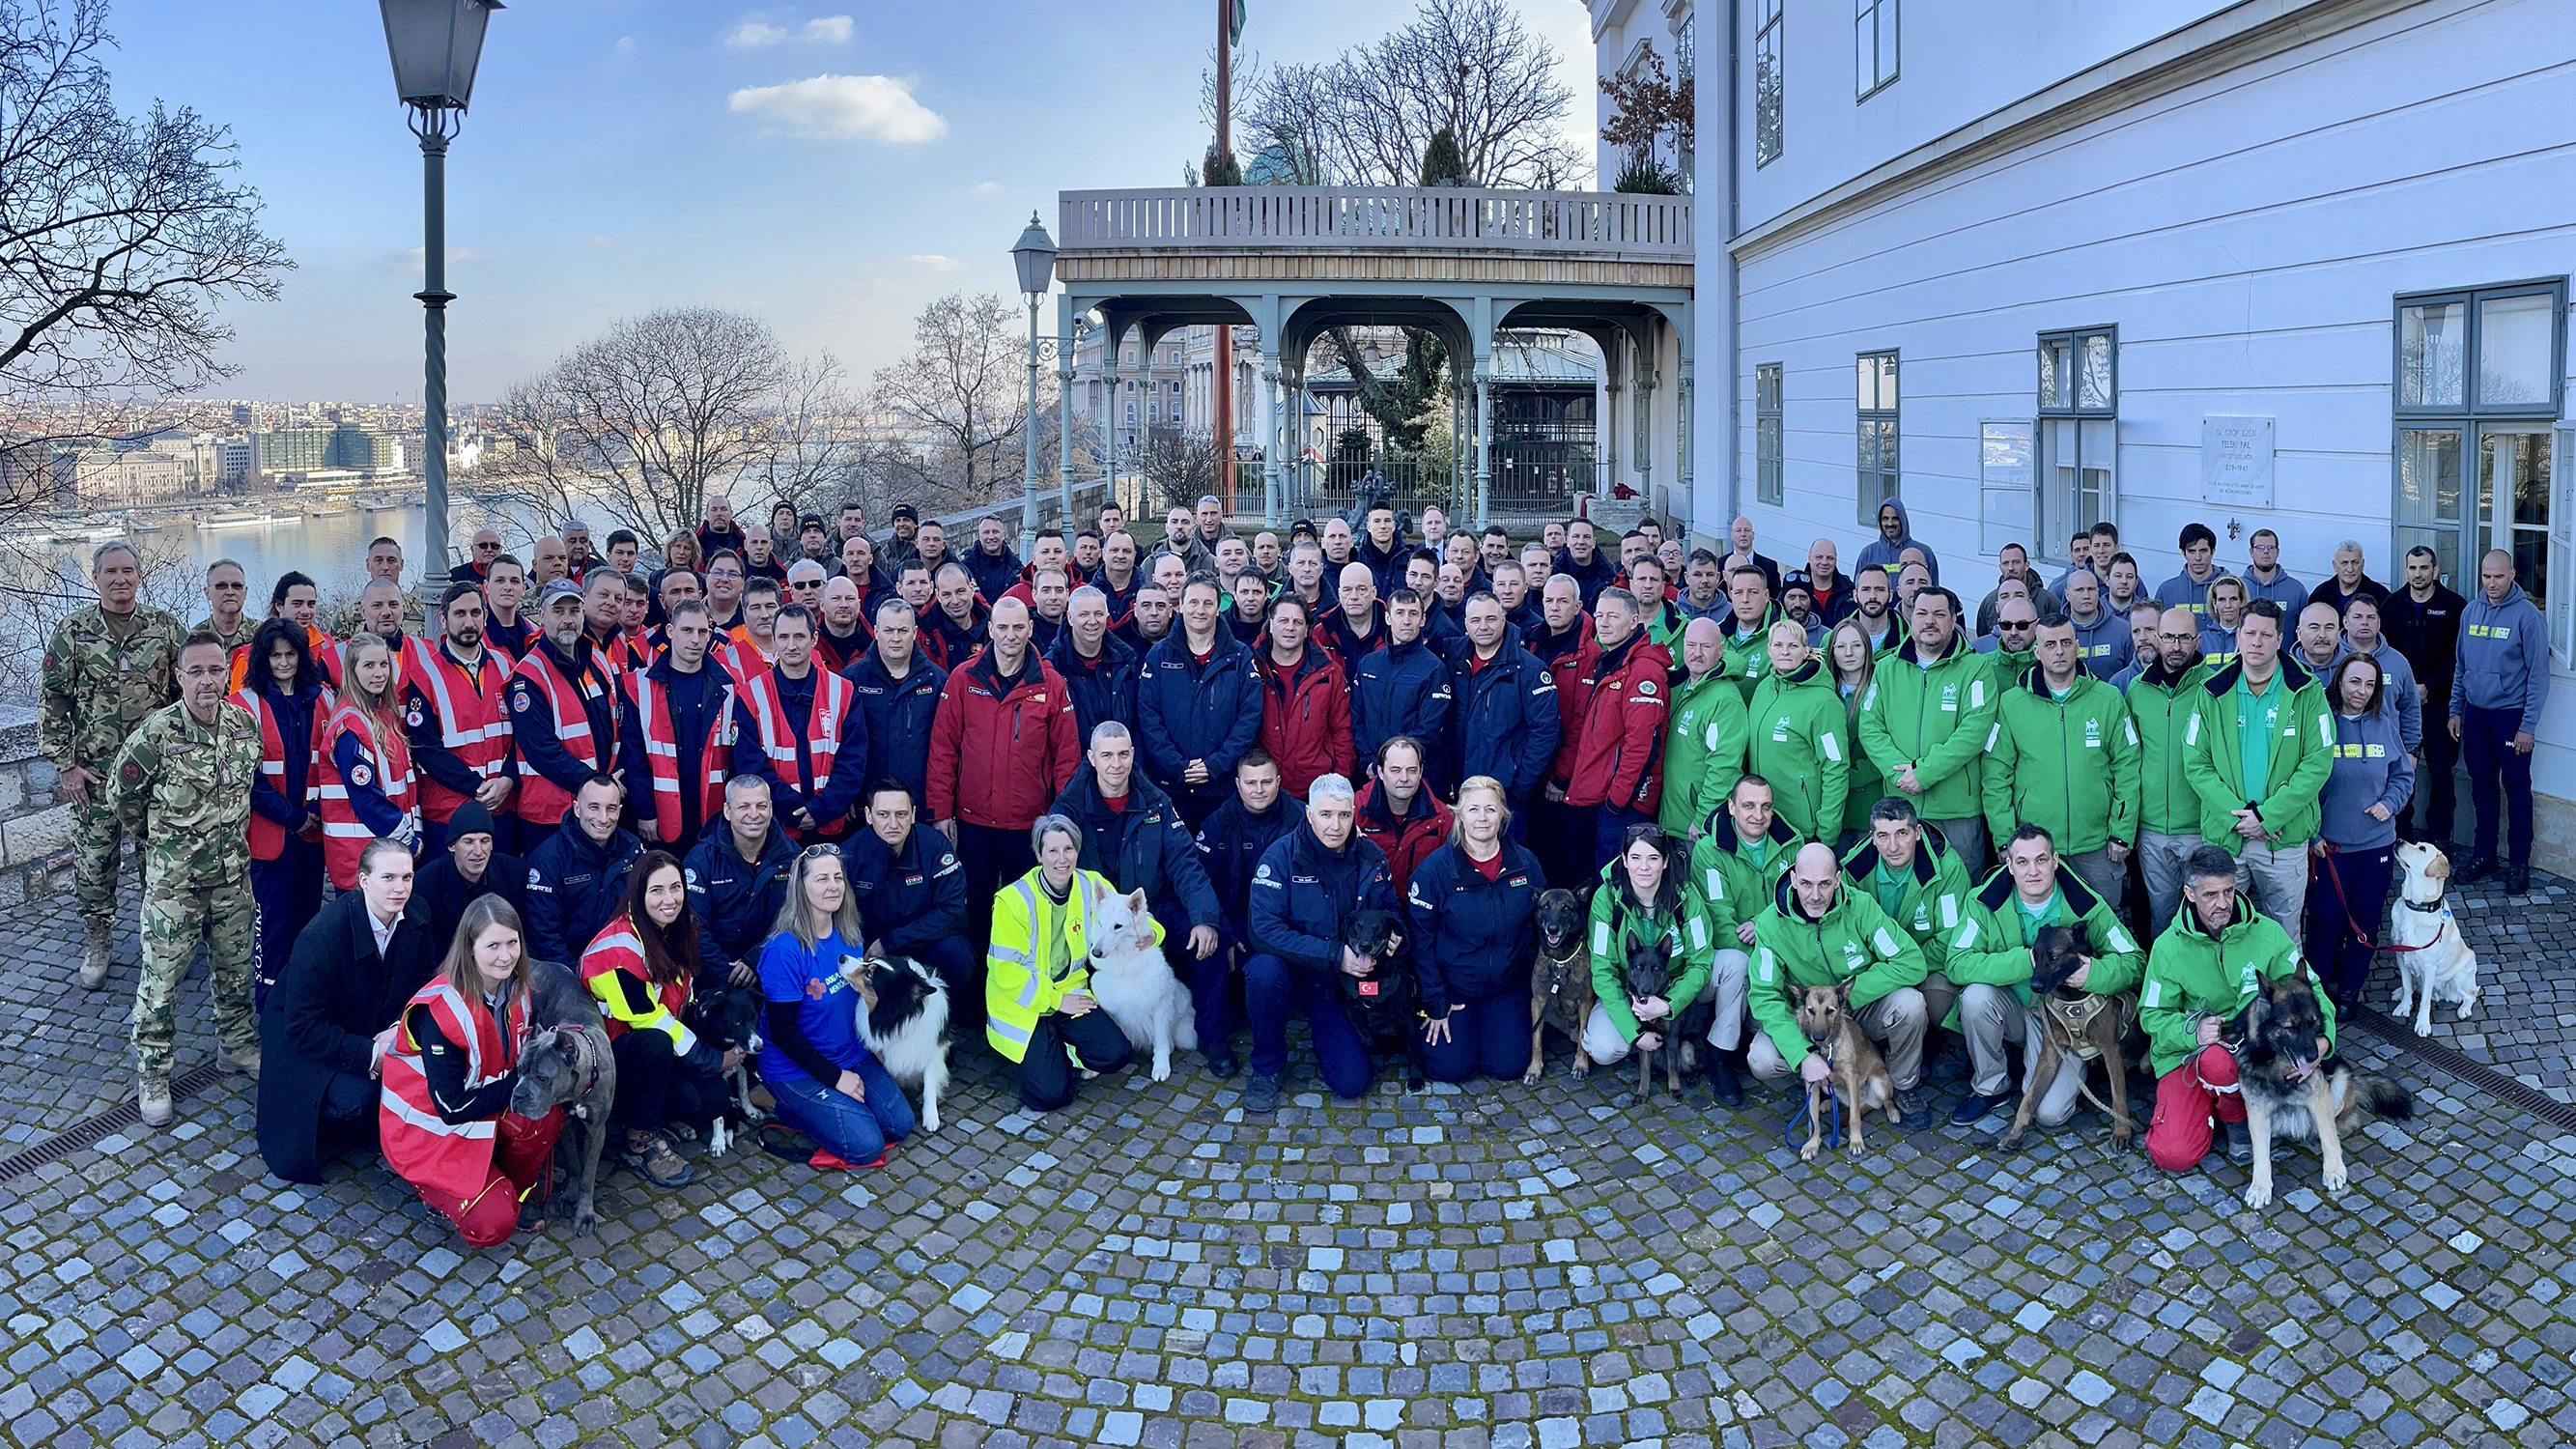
2334,877
2074,1020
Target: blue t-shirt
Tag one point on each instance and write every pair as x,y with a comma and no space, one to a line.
826,1008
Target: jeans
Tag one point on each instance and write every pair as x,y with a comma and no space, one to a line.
2095,869
2340,956
1211,983
1488,1036
2486,739
1609,825
993,858
851,1131
1271,989
1966,837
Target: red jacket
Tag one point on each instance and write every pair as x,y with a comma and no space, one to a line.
1000,754
1571,667
1408,841
1619,750
1306,718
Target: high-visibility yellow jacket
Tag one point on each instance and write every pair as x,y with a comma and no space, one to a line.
1018,989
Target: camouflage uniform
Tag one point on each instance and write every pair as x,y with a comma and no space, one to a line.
183,788
232,641
96,691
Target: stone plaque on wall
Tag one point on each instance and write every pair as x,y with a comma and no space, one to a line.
2236,461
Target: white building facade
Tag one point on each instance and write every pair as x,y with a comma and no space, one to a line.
2290,264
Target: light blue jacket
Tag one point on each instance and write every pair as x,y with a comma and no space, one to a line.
2399,696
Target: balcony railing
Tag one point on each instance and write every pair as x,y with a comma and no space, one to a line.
1332,218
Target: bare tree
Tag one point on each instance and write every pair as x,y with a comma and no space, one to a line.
1179,466
815,446
1365,117
118,236
962,393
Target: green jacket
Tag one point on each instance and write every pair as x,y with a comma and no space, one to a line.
2069,766
1936,891
1618,925
2003,666
2159,711
1664,625
95,690
1867,786
1799,744
1736,889
1855,943
1990,948
1749,658
183,789
2302,756
1935,720
2190,976
1703,751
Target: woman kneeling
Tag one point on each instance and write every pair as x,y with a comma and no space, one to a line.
828,1084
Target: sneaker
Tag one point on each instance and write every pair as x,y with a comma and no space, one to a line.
651,1154
153,1097
2240,1143
239,1062
2517,880
1911,1110
1725,1087
1976,1106
2478,869
1262,1095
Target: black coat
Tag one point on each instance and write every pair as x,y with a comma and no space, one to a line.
321,1019
446,893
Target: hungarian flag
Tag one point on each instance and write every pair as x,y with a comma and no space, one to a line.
1234,27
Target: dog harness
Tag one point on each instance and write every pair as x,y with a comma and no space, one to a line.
2073,1021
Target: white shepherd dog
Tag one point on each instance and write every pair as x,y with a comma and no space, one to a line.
1130,979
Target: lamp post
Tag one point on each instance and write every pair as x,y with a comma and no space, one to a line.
1034,255
436,45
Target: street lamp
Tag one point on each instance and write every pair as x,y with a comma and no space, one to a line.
1034,255
436,45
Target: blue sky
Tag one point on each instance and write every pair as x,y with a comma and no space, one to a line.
624,155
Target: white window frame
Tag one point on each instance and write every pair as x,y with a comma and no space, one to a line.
1874,66
1770,41
1881,480
1770,434
2068,424
2473,421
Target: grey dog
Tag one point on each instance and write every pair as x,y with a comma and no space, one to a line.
567,1063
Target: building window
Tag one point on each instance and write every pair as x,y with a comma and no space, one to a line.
2480,379
1875,396
1874,39
2079,443
1770,28
1769,432
1685,62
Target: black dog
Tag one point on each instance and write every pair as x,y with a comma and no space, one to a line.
1385,1005
729,1017
1651,971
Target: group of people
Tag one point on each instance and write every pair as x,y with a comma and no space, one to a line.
760,758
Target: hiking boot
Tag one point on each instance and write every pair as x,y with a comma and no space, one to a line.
153,1097
1911,1110
239,1062
1262,1095
93,968
2478,869
2240,1143
651,1154
1725,1086
1976,1106
2517,880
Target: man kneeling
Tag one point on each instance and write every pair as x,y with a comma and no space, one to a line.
1816,933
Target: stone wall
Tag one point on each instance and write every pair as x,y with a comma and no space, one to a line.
35,829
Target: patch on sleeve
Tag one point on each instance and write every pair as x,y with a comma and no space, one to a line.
1832,747
362,775
518,701
1885,941
2153,997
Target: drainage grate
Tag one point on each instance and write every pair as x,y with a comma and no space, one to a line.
2477,1074
91,1132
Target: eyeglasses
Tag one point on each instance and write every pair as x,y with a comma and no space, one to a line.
2178,638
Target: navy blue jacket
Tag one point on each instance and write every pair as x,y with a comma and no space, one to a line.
1103,687
294,714
1231,845
1403,689
430,756
574,885
1589,580
898,713
1144,847
1503,719
735,900
532,729
1188,711
910,899
1472,938
1302,894
1386,566
994,573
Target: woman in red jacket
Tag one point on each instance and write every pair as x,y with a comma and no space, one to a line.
1397,814
1305,701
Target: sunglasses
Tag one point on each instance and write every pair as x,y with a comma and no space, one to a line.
2017,624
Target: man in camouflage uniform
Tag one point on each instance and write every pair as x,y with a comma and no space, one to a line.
182,785
227,590
106,668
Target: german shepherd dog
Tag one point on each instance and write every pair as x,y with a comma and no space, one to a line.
1650,971
2289,1092
1385,1006
566,1063
1560,983
2074,1023
1859,1074
730,1017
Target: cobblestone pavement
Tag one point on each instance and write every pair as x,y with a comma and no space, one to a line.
1492,1267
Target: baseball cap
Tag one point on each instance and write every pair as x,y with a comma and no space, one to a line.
559,589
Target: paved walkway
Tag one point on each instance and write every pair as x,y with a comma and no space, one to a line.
1493,1267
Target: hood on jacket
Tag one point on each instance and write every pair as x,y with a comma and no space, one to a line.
2294,676
1999,890
1780,833
1927,854
1911,651
2513,595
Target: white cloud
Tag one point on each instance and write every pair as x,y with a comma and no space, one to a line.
828,30
844,108
934,262
625,45
409,262
753,34
987,188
